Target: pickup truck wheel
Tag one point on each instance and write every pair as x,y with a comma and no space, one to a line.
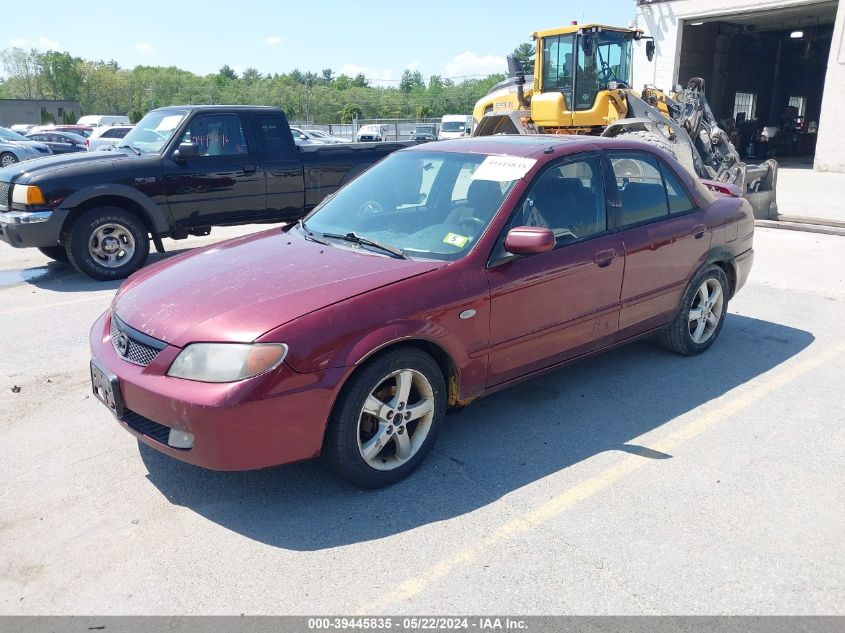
386,419
108,243
7,159
701,314
57,253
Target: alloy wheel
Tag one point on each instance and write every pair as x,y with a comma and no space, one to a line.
706,310
396,419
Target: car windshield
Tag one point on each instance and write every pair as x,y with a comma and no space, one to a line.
9,135
152,132
423,129
453,126
430,205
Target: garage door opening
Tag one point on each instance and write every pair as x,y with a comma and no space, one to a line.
764,74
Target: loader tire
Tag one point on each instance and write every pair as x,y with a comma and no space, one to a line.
651,138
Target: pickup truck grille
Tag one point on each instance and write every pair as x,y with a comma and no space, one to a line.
4,194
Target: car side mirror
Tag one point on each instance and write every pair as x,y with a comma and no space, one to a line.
529,240
649,50
302,137
185,151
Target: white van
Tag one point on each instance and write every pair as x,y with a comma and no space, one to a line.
96,120
455,126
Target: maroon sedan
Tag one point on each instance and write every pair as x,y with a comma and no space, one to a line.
443,273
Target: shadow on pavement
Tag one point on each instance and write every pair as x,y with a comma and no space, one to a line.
495,446
62,277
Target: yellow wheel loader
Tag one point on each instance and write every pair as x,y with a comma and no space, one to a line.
581,84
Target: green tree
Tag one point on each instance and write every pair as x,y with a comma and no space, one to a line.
350,111
524,53
423,112
251,76
327,75
360,81
22,72
227,73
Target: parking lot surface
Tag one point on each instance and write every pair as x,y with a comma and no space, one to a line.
635,482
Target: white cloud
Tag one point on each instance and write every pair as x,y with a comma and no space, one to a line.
471,63
143,47
43,42
273,40
376,76
46,42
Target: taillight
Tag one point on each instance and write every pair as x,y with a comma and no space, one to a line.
87,143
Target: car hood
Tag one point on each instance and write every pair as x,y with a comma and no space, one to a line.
237,290
24,172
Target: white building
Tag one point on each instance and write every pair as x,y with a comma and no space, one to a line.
758,57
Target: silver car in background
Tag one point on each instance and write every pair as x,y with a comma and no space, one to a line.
15,148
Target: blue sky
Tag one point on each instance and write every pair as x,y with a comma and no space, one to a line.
380,39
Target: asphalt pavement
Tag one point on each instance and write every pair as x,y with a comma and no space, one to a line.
635,482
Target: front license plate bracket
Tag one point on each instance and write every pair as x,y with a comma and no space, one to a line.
106,388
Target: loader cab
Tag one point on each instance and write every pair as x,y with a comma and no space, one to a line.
579,74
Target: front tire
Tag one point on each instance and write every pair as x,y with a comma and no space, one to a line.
7,158
386,418
701,315
107,243
57,253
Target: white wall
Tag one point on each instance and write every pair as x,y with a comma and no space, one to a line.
830,152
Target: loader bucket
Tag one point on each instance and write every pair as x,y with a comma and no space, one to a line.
760,185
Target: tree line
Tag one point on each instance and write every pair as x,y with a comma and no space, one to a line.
104,87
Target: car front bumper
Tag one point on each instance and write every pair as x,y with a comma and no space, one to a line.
37,228
272,419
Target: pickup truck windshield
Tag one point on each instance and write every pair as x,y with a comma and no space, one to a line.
453,126
430,205
152,132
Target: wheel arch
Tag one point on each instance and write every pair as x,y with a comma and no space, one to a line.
444,360
724,259
118,196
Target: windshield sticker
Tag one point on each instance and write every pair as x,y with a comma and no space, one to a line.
456,240
503,168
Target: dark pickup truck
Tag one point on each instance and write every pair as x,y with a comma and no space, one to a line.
180,171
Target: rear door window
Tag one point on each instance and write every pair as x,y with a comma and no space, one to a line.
640,185
275,138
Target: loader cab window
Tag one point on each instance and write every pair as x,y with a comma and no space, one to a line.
603,56
558,63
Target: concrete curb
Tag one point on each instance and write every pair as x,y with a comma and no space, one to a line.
803,219
801,226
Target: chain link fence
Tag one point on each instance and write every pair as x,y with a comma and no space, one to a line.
392,129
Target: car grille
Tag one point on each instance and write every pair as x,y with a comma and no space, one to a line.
133,346
147,427
4,194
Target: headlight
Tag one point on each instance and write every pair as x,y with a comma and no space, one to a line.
226,362
27,194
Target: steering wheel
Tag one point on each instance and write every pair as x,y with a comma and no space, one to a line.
370,207
472,224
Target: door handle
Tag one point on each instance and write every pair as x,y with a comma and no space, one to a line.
698,231
250,169
603,258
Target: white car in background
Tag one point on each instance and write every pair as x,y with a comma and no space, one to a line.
107,136
455,126
371,132
97,120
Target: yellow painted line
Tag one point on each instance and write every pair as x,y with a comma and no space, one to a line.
586,489
54,305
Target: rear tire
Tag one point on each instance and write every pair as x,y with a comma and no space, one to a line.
57,253
386,419
108,243
701,315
